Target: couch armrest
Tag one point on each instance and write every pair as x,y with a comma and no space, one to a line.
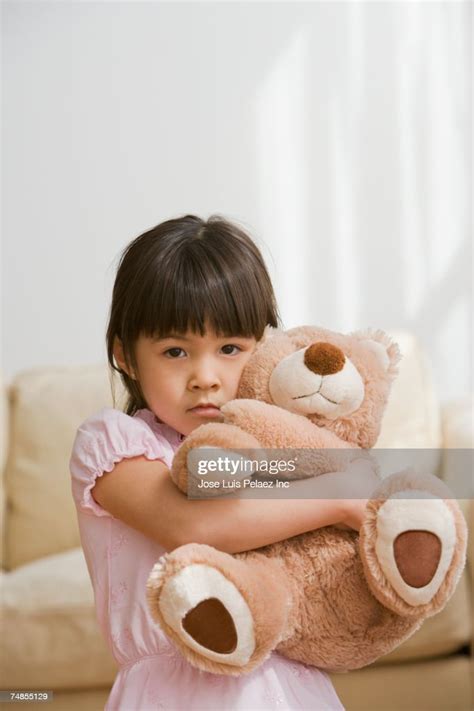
457,423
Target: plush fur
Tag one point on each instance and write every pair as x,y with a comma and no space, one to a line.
333,598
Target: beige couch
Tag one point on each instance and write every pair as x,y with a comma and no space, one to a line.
49,635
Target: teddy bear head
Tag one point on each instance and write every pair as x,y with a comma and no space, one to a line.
340,382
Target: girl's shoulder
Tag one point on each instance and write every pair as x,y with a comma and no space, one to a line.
108,433
108,436
113,422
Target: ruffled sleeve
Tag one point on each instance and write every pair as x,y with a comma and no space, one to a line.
103,440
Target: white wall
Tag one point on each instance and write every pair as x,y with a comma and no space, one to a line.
338,133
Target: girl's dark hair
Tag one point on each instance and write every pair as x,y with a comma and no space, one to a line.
179,274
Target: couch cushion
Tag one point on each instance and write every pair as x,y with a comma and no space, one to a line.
50,636
435,685
442,634
47,406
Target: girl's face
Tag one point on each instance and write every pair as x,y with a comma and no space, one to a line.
179,373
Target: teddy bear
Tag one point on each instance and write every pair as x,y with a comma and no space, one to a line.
333,598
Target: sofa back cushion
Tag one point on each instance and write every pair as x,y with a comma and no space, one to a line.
412,418
46,407
48,404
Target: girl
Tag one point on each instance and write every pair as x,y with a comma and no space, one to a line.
190,301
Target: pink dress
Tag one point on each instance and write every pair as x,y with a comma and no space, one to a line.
152,673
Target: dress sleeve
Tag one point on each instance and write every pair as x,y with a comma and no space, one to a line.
103,440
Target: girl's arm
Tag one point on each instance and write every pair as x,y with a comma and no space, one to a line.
141,493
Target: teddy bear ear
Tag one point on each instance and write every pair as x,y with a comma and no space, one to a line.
379,350
378,342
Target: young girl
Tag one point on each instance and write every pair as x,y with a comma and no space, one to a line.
190,302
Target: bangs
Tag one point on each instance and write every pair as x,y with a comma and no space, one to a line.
193,285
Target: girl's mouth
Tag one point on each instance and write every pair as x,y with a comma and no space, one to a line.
206,410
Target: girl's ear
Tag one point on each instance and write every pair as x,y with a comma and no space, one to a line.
120,358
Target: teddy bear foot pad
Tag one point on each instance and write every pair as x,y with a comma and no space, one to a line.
201,610
415,561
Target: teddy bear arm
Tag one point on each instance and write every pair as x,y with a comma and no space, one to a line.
275,427
205,444
285,435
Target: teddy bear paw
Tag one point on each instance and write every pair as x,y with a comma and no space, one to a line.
202,611
413,546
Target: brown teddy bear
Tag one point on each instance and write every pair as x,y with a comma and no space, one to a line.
336,599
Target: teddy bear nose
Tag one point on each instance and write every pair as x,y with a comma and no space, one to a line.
324,358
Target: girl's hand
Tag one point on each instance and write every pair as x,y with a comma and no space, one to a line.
360,480
354,514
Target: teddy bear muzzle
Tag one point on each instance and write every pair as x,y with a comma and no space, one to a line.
317,380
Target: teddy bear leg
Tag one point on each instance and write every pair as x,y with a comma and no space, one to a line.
413,544
224,613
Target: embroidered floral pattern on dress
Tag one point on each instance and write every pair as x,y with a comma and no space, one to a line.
299,669
127,634
122,638
172,655
211,679
88,446
89,449
273,697
156,698
115,637
118,542
117,593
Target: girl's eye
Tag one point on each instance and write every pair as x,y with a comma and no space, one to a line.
172,352
175,352
230,345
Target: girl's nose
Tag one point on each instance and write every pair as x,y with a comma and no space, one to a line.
204,378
